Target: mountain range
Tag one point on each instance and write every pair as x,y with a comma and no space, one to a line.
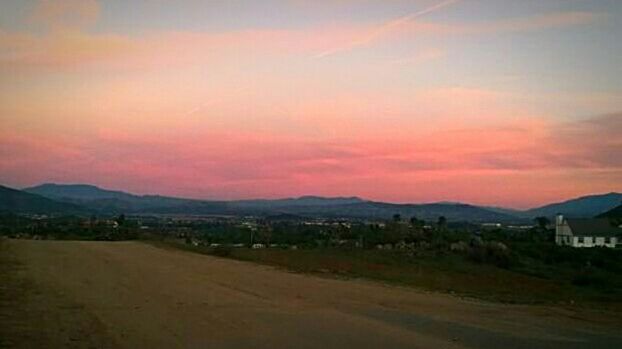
107,201
18,201
585,206
82,198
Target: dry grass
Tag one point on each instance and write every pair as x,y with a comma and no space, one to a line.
448,273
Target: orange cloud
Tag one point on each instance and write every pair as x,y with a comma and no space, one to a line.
59,50
250,113
68,45
65,14
508,160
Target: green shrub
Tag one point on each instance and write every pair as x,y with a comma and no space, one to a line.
222,251
490,253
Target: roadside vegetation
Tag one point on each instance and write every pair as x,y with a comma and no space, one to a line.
515,265
113,228
571,277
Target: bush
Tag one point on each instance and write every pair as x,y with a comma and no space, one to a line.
477,255
222,251
491,253
589,278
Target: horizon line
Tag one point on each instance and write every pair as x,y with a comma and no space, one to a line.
363,199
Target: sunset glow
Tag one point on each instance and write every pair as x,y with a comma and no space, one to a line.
512,103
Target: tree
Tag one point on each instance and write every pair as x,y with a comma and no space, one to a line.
416,223
442,222
264,234
542,222
121,219
394,233
397,217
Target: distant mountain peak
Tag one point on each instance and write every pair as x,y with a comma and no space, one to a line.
582,207
75,191
50,185
100,199
317,197
453,203
69,185
17,201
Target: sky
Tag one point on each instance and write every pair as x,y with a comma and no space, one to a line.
491,102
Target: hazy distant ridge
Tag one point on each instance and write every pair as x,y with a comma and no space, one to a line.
18,201
585,206
100,200
107,201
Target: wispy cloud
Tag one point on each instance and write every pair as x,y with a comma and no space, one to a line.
270,164
376,33
68,44
420,57
256,112
406,26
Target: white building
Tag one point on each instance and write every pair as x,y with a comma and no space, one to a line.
594,232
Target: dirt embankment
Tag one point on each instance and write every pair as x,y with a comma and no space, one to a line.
132,295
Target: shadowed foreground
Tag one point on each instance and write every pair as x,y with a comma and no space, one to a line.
133,295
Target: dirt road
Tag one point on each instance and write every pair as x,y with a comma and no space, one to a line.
133,295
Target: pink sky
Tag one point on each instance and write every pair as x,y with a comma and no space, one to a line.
423,101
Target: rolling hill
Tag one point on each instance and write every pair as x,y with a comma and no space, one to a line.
103,200
382,210
17,201
107,201
98,200
582,207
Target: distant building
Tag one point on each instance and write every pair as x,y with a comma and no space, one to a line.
594,232
491,225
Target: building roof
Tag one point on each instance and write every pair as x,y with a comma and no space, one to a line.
593,227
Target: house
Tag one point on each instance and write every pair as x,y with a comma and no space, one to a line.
592,232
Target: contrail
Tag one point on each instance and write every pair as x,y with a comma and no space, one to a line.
386,27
